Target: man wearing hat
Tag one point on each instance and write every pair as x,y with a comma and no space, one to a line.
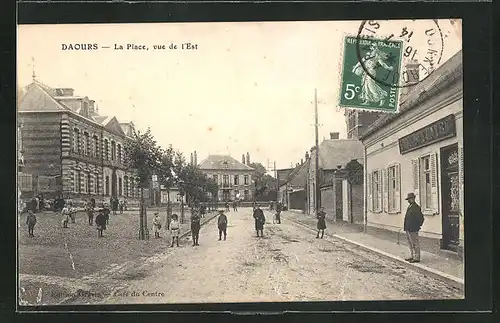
260,219
413,222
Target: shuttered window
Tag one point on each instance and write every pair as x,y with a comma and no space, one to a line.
425,183
369,191
377,191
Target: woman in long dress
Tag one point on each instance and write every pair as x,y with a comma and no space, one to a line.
371,91
321,222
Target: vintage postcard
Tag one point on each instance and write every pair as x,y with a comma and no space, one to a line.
175,163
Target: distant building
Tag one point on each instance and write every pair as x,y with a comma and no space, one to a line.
234,178
293,188
420,150
358,121
78,152
334,154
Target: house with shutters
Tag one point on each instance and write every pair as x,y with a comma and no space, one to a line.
65,138
420,150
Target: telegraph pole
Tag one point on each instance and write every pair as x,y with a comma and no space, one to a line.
317,191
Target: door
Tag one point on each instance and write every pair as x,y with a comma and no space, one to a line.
345,201
450,197
226,196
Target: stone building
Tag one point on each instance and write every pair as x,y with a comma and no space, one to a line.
420,150
358,121
64,137
234,178
334,154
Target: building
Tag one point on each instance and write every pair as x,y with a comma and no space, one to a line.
358,121
66,139
420,150
334,154
234,178
292,192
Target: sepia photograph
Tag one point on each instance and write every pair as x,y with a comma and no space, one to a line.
238,162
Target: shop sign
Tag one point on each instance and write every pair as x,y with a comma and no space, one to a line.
440,130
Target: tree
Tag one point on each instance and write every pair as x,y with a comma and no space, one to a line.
143,155
264,184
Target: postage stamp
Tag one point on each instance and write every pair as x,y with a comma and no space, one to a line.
360,82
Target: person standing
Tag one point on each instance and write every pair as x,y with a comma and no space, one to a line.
121,207
174,229
227,207
260,219
203,210
106,212
90,212
195,227
222,224
66,211
30,222
100,222
321,216
157,225
412,223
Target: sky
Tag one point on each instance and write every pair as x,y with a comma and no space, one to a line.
248,87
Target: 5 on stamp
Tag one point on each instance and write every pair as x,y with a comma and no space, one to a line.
371,82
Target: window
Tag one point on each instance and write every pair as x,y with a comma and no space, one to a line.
245,178
216,179
96,184
125,185
120,191
106,149
119,157
376,191
246,195
96,146
225,179
132,193
107,185
76,141
86,143
113,150
393,189
75,181
88,183
425,182
236,180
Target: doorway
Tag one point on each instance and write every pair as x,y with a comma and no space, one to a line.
450,197
113,183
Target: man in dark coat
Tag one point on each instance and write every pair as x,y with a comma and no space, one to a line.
413,222
260,219
278,212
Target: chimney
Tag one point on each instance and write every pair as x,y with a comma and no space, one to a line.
248,159
307,155
91,106
412,76
302,161
334,135
195,158
191,162
64,92
243,158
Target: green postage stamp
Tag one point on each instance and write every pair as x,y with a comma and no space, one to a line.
371,77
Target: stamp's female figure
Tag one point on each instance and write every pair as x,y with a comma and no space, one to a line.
371,91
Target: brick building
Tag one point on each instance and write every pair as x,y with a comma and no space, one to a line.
234,177
65,138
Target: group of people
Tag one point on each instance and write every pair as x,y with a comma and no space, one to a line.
117,205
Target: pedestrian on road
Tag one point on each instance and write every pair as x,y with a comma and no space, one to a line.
222,224
321,216
195,227
235,206
260,219
66,211
114,205
174,229
100,221
203,210
412,224
227,207
90,212
121,207
106,211
157,225
278,212
30,222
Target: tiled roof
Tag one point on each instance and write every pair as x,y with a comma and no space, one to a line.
298,176
446,73
216,162
338,152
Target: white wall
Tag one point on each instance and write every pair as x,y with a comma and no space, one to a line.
383,150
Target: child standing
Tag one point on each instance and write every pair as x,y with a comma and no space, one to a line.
31,221
157,225
100,221
66,213
222,224
174,229
321,222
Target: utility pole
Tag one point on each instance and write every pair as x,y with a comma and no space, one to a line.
317,201
277,181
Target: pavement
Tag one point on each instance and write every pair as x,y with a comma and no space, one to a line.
287,264
449,269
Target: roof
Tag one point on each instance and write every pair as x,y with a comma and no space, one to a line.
338,152
39,97
216,162
298,175
445,74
